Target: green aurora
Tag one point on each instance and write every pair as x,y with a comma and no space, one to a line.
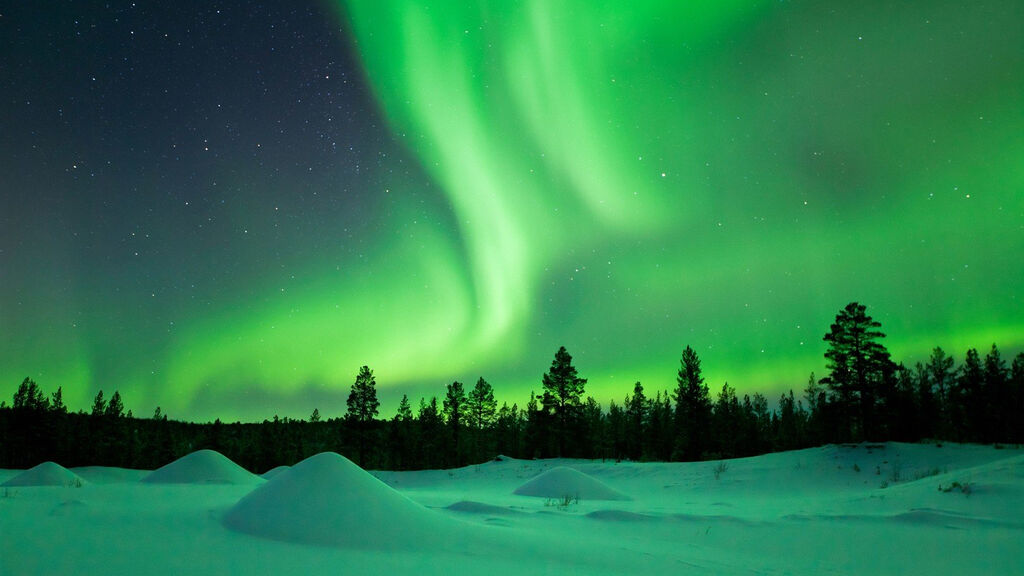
621,181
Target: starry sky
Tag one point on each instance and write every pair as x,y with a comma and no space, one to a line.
226,208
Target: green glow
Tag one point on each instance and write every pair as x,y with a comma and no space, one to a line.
624,182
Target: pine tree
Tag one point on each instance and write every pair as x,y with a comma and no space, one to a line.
996,379
726,422
454,412
57,401
481,412
941,376
362,399
30,397
969,401
481,405
859,369
563,390
362,409
636,420
115,408
99,405
693,408
315,416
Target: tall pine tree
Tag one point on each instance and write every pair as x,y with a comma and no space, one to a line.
563,391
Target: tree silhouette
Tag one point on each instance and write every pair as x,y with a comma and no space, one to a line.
563,390
99,405
481,412
859,368
115,408
362,399
693,408
362,409
636,421
454,411
30,397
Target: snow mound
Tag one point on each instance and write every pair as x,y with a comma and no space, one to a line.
274,472
202,467
46,474
329,501
472,507
562,481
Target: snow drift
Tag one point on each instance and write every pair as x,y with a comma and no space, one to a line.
274,472
562,482
202,467
327,500
46,474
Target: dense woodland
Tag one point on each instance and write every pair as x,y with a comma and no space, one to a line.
865,396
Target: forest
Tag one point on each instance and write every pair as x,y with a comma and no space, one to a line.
864,396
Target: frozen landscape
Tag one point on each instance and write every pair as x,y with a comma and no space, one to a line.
858,509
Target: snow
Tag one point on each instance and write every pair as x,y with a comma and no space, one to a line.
273,472
46,474
202,467
821,510
328,500
563,482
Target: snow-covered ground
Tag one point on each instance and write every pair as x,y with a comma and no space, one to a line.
867,509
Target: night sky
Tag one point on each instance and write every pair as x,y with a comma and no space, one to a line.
226,208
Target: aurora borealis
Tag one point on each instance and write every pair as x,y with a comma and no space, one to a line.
225,209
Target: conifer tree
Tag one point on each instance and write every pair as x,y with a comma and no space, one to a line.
997,397
455,415
115,408
481,410
481,406
942,379
859,369
563,390
30,396
362,409
57,401
693,408
99,405
362,399
636,420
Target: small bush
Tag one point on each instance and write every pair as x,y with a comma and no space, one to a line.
719,469
564,502
964,488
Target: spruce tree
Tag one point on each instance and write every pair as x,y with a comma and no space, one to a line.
693,408
57,401
455,415
362,409
481,411
636,421
481,405
563,390
859,369
362,399
99,405
30,397
115,408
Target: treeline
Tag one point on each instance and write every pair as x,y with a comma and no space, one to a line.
864,396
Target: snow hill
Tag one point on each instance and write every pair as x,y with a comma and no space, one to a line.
202,467
328,500
46,474
567,483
